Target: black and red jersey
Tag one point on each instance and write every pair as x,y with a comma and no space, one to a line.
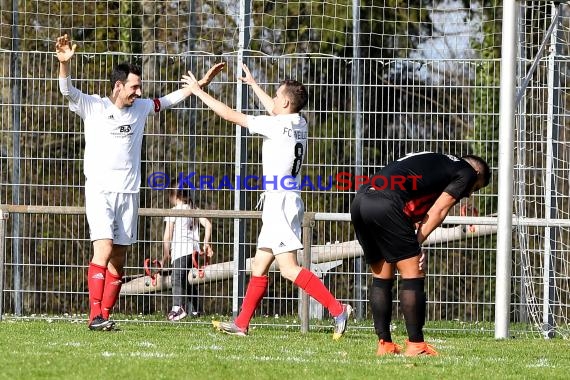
420,178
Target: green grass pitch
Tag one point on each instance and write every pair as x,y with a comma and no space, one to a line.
40,349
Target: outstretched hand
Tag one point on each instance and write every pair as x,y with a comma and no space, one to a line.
189,81
209,76
64,50
248,78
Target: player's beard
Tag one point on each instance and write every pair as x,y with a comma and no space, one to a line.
131,100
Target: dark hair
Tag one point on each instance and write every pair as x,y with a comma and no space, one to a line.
296,92
122,71
483,164
178,191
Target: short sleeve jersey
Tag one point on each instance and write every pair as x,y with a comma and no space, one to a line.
283,151
186,235
420,178
113,141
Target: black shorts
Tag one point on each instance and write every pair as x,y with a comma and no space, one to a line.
382,228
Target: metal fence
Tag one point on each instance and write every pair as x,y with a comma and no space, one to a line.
53,285
50,251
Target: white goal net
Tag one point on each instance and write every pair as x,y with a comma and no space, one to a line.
542,169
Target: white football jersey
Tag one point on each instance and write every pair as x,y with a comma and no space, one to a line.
283,151
186,236
113,141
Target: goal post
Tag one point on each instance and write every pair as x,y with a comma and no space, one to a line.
505,174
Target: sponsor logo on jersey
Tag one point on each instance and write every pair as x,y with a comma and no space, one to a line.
123,131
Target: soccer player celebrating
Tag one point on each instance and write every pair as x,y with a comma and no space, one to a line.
284,133
391,222
114,127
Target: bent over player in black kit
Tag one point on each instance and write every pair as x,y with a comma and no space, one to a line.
392,215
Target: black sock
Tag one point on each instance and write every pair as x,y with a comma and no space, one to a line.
381,304
413,304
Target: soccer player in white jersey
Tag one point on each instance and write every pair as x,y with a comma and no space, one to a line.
114,127
284,134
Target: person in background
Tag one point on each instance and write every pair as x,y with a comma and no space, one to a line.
180,241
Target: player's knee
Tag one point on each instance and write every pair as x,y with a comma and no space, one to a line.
102,248
410,268
290,273
257,269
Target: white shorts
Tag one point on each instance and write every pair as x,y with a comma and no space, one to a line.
282,219
112,215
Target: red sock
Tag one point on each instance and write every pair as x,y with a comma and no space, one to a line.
95,284
111,293
254,294
310,283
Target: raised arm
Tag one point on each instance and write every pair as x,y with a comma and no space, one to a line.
64,50
264,98
211,74
177,96
215,105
